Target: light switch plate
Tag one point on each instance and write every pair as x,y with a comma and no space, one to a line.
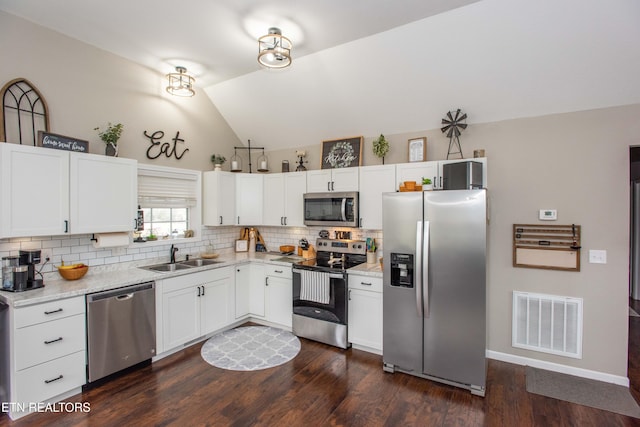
548,215
597,256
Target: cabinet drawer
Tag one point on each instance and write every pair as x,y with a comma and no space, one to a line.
367,283
278,271
50,379
40,343
47,311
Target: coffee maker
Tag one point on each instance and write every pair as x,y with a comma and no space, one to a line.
30,258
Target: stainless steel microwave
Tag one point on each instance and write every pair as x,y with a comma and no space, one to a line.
338,209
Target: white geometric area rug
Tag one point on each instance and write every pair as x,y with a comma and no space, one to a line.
250,348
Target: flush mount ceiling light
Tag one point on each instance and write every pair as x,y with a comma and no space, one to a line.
274,50
180,83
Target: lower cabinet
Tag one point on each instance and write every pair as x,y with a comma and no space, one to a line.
196,304
365,312
279,295
264,291
249,290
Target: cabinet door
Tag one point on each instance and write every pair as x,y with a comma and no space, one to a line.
344,179
218,198
295,185
215,310
416,171
274,196
365,318
249,196
181,317
319,181
34,191
279,300
256,290
242,287
374,180
103,193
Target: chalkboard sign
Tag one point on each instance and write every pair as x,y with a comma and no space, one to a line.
342,153
61,142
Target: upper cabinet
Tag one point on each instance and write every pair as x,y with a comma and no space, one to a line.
218,198
339,179
249,197
374,180
283,198
51,192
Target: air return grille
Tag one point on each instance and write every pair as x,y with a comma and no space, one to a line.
547,323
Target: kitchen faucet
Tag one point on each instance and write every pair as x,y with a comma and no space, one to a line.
173,254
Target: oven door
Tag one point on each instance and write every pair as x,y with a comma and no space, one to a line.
334,311
331,209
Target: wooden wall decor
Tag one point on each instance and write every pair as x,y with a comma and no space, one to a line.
24,113
552,247
342,153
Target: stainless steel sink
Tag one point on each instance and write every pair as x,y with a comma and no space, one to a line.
198,262
166,267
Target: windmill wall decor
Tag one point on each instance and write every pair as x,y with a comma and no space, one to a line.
453,127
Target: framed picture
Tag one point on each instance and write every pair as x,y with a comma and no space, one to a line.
61,142
342,153
418,149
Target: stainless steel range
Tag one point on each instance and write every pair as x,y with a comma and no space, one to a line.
320,291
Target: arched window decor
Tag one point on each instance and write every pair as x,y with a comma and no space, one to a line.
24,113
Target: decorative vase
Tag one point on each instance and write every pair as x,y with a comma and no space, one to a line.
427,187
217,167
110,150
371,257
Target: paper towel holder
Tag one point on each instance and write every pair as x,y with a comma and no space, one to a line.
93,238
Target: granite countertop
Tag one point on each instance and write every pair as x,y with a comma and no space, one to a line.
113,276
366,269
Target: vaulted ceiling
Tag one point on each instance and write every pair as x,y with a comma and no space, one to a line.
366,67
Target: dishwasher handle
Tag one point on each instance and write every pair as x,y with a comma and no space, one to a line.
121,293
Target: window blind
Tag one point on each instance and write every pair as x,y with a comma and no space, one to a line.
167,188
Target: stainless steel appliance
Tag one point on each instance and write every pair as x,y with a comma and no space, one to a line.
320,291
434,296
19,272
462,176
121,329
337,209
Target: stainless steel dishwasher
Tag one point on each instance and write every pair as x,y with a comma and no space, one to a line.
121,328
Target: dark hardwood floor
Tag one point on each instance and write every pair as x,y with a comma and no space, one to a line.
322,386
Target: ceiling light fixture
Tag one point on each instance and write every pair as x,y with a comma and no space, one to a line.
274,50
180,83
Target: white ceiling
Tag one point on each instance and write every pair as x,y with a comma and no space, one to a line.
372,66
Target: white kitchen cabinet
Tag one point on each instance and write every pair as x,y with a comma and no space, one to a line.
196,304
279,295
218,198
52,192
256,290
374,180
415,171
249,290
326,180
249,197
365,312
283,198
242,290
48,345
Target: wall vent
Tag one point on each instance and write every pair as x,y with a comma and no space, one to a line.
547,323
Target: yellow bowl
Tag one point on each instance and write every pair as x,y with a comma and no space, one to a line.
73,273
287,248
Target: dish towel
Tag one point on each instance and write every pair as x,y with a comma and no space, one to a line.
314,286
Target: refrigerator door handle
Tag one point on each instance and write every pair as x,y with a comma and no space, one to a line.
418,269
425,269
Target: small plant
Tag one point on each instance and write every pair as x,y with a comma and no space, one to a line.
380,147
426,181
111,135
218,159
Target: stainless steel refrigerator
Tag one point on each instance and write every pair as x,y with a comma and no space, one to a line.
434,294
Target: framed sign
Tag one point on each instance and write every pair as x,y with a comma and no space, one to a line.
60,142
418,149
342,153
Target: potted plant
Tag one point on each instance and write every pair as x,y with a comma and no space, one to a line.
217,160
426,184
380,147
110,137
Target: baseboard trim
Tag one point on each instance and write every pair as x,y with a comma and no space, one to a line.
555,367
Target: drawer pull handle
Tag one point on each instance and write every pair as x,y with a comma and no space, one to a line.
59,377
365,283
279,271
53,311
52,341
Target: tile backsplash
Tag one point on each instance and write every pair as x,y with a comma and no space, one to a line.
79,248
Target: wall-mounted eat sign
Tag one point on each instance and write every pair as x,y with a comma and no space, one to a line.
157,147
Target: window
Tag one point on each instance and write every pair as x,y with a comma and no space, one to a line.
162,222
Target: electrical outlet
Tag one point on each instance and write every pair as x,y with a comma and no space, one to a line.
597,257
46,255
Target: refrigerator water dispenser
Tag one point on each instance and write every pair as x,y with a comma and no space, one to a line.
402,270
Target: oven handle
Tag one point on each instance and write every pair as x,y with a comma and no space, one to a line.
331,275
